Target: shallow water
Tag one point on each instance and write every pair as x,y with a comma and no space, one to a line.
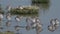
45,15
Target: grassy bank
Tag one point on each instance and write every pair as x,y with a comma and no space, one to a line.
7,33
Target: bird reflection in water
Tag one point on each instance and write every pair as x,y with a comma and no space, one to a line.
8,24
1,27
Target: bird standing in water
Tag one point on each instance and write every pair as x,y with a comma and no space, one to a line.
8,7
18,18
28,27
56,23
37,24
8,16
17,28
52,22
37,21
38,28
34,23
1,17
51,28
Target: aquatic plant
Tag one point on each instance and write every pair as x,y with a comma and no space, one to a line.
43,4
24,11
40,1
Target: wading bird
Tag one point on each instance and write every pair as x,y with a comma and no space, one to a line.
34,23
33,20
18,18
52,22
38,25
9,8
56,23
1,17
28,27
38,28
51,28
37,20
19,7
17,28
8,16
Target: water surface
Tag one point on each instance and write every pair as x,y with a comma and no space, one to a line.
44,15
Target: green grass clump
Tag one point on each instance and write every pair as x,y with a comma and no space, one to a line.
40,1
24,11
7,32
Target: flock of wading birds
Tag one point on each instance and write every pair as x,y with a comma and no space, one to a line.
32,23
